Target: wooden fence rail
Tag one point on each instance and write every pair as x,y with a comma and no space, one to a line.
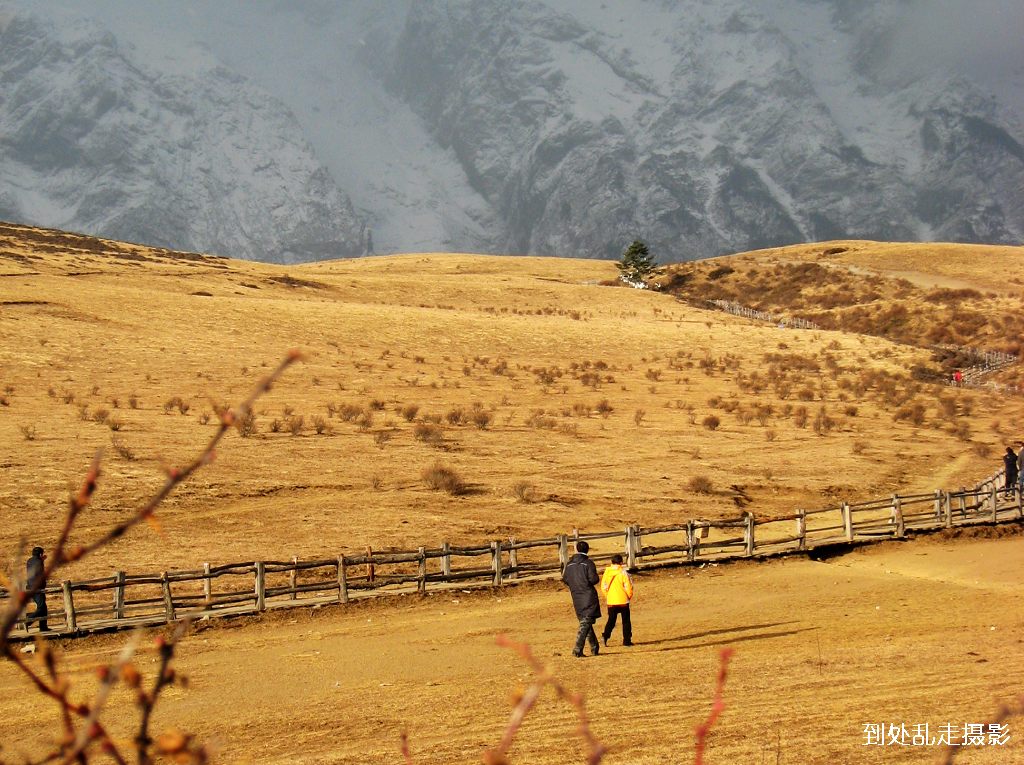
125,600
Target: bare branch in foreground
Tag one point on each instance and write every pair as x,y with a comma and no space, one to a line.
77,737
716,708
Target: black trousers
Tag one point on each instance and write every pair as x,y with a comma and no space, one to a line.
627,626
586,635
39,615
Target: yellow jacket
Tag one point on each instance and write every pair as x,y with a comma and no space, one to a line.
616,586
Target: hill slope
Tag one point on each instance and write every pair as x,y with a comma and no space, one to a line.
559,401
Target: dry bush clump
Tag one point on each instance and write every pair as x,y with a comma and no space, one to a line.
525,492
122,449
603,407
409,412
246,424
638,417
28,432
440,477
482,418
800,416
711,422
701,484
320,425
541,420
295,424
428,433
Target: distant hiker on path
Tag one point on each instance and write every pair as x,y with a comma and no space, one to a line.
35,586
1010,465
618,591
580,576
958,378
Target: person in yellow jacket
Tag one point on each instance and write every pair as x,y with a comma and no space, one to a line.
618,591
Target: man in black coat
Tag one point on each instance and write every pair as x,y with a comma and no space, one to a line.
580,576
35,585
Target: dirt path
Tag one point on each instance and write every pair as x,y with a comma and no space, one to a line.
923,631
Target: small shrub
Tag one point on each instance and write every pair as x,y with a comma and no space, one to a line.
133,401
982,449
28,432
482,418
296,424
525,492
365,420
183,406
321,426
114,424
204,418
711,422
850,411
287,410
603,407
439,477
124,451
246,424
381,437
348,412
409,412
377,405
800,416
428,433
100,415
701,484
770,435
859,447
638,417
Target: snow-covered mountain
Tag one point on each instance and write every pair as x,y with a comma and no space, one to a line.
193,158
561,127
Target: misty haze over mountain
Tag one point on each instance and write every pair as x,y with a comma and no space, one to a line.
303,129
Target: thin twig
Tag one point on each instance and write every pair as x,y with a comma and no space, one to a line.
716,708
542,676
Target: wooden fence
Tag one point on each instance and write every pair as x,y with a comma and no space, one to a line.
127,600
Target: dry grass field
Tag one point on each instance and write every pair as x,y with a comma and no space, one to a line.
558,402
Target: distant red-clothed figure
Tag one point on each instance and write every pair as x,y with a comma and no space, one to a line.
958,378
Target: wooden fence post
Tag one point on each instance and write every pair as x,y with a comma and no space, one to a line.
630,547
1020,501
801,529
446,560
342,580
963,501
563,551
947,508
369,564
69,607
165,584
496,562
119,595
844,508
897,515
513,559
638,541
421,572
293,577
207,583
691,542
938,505
261,586
994,501
748,533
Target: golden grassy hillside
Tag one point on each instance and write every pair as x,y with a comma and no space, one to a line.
923,294
557,401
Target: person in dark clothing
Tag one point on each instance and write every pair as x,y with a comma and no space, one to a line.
35,585
1010,463
580,576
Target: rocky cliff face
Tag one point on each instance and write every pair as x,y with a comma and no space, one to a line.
554,127
93,140
706,129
